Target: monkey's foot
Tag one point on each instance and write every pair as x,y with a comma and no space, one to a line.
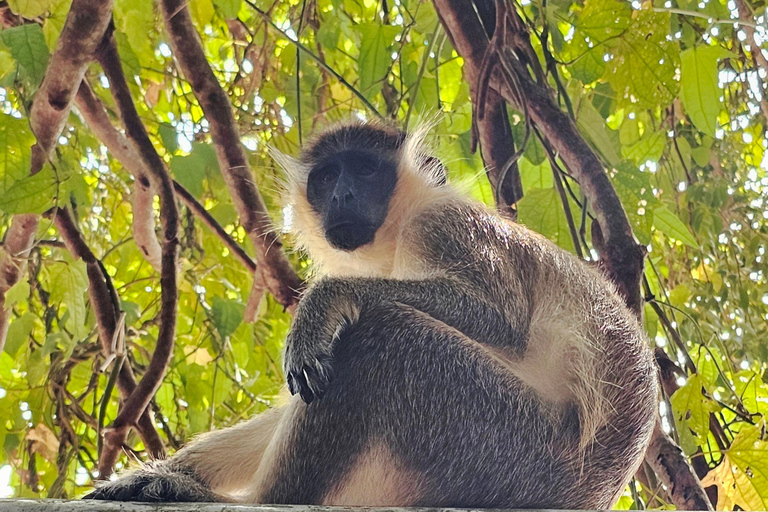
308,369
155,486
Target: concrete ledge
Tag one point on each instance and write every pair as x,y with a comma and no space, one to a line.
113,506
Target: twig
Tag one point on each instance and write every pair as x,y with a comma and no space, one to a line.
209,221
314,57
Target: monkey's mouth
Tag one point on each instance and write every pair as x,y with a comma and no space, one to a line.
348,236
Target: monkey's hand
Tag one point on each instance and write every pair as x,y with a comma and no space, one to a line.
320,319
156,483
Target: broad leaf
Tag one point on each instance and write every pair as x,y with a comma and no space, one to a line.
27,45
699,89
375,56
669,224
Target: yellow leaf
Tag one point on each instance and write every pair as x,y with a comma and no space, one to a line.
43,441
197,355
742,476
702,272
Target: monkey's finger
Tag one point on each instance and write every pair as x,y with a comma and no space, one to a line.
316,381
302,387
292,387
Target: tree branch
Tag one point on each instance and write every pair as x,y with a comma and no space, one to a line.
100,293
135,405
279,276
621,257
96,117
98,121
83,29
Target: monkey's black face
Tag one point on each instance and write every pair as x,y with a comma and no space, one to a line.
350,192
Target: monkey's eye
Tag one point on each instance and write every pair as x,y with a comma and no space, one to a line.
325,175
366,170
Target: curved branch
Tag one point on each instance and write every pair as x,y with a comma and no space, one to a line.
135,405
83,29
279,276
143,225
96,118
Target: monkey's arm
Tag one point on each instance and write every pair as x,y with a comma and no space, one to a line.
335,303
217,462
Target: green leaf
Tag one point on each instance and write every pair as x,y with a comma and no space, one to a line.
669,224
228,8
18,333
542,211
30,8
16,141
700,91
636,193
593,125
649,147
329,32
128,58
588,64
17,293
752,390
691,408
227,315
202,11
192,169
643,64
137,23
536,176
6,62
169,137
534,151
375,56
28,48
68,284
32,194
604,19
54,23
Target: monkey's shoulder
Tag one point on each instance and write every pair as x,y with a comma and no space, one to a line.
464,230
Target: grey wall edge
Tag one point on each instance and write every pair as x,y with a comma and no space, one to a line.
21,505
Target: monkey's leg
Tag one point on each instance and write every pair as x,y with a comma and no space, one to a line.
223,461
419,414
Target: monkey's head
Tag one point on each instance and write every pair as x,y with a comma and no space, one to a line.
352,175
352,187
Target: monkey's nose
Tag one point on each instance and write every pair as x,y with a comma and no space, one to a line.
342,197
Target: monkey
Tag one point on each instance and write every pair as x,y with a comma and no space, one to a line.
445,356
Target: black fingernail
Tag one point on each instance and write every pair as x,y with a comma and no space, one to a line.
307,396
291,384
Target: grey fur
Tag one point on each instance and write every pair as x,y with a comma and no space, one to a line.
442,366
